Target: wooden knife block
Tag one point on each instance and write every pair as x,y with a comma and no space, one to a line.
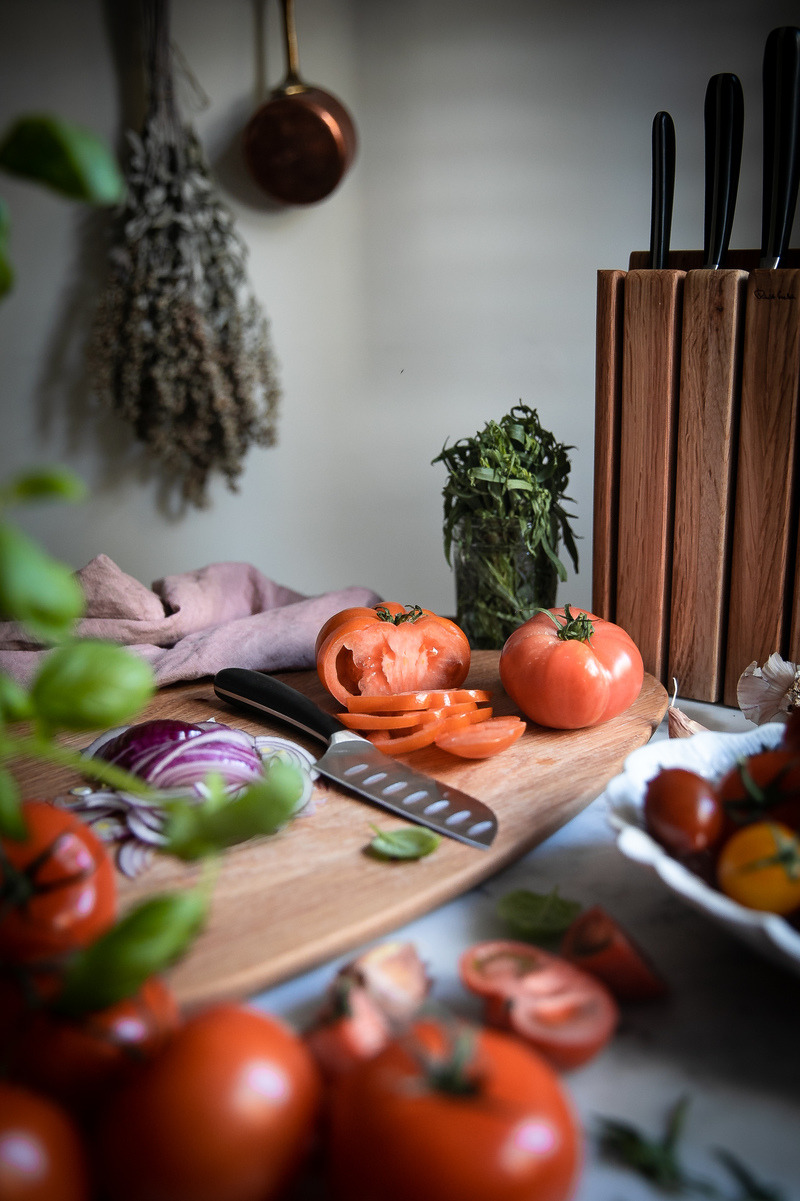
697,465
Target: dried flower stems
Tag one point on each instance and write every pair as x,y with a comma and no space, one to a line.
180,347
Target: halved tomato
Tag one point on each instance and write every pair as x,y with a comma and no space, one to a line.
562,1011
390,649
479,741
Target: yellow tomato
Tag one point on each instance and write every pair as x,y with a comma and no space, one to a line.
759,866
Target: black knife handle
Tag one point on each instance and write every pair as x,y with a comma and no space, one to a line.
265,695
781,82
724,126
663,189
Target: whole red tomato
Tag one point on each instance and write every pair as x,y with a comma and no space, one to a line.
41,1154
224,1112
77,1060
567,669
763,785
391,648
416,1121
57,886
683,812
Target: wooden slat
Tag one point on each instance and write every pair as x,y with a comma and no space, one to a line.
650,374
608,387
764,519
713,308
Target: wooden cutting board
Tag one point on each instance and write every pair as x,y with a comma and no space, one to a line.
285,904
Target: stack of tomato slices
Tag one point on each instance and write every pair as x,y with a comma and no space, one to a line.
457,720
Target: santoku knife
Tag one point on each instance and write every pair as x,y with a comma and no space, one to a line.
357,765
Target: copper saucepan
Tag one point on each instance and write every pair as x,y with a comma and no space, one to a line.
302,140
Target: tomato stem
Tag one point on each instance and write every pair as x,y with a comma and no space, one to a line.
411,614
787,855
576,627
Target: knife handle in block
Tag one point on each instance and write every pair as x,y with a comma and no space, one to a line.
608,385
713,311
650,371
269,697
764,527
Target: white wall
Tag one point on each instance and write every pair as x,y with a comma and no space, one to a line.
505,157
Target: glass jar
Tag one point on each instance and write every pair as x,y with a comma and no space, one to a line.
499,583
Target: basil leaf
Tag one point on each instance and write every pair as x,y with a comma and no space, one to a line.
35,589
49,483
12,824
537,917
90,684
411,842
145,942
65,157
194,830
15,704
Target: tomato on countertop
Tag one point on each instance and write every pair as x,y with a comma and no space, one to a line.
562,1011
597,944
226,1111
42,1157
453,1115
390,648
567,669
57,886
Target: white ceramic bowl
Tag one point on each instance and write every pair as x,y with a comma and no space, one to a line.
711,755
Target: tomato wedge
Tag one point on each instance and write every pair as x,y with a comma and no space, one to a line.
479,741
597,944
399,702
562,1011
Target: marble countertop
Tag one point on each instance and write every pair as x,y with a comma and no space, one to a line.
727,1036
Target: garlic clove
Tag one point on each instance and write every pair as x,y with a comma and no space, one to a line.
678,724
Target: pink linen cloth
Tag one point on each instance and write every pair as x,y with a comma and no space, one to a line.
193,624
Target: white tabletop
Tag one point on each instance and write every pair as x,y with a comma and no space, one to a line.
728,1035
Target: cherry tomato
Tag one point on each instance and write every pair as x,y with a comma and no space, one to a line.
759,866
682,811
76,1061
224,1112
57,886
569,669
597,944
763,785
563,1012
41,1154
390,649
480,740
413,1123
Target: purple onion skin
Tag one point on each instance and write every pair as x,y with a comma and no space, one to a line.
128,745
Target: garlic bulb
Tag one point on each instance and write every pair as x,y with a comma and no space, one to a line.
765,693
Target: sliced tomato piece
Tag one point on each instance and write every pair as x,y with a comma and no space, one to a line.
399,702
596,943
481,740
399,744
564,1013
495,968
382,721
465,717
343,1038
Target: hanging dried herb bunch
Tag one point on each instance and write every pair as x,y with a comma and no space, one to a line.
504,518
180,346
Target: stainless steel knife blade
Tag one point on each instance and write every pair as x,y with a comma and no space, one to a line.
357,765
